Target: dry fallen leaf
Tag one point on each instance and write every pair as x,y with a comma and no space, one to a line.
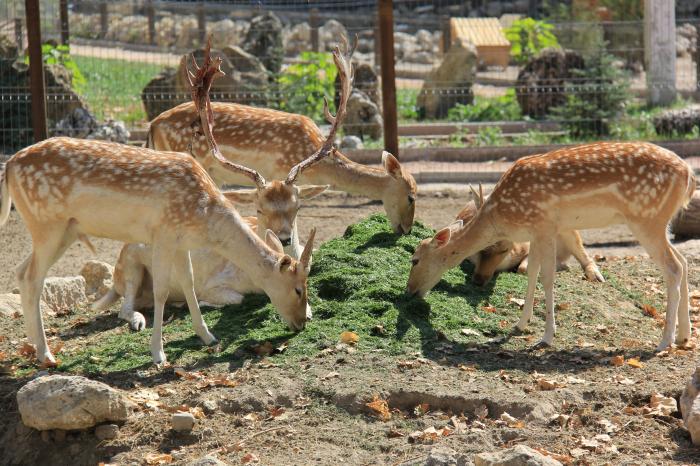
380,408
395,433
197,412
27,351
250,458
562,306
564,459
263,349
467,368
512,421
490,309
429,435
634,362
158,458
622,380
276,411
349,338
617,361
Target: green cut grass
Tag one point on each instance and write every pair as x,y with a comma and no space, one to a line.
356,283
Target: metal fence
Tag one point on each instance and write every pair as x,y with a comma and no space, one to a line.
457,85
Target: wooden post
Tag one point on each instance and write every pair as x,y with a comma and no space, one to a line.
201,24
446,33
660,50
19,36
378,46
36,70
386,36
104,20
151,15
63,15
313,22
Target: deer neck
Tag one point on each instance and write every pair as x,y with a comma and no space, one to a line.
345,175
480,233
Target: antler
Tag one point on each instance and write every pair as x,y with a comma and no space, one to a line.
347,75
200,84
478,197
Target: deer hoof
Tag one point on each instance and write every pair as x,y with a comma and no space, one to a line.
540,345
137,322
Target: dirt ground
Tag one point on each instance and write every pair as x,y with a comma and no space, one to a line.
315,411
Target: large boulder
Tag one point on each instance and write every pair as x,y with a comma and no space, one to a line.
363,118
129,29
442,455
62,293
297,39
8,48
177,31
98,277
677,122
366,81
11,305
520,455
159,94
224,33
70,403
450,83
690,407
264,40
330,33
541,83
80,123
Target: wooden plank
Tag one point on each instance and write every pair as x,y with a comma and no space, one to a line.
386,37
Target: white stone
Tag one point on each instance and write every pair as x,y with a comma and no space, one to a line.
64,292
98,277
11,303
520,455
690,407
182,422
445,456
70,403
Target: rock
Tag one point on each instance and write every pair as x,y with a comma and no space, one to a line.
329,34
223,33
84,25
351,142
70,403
64,292
264,40
686,40
456,74
425,40
445,456
679,122
207,461
297,39
405,45
111,130
242,61
541,83
129,29
182,422
363,117
160,94
11,303
209,406
690,407
98,277
80,123
107,431
8,48
520,455
366,81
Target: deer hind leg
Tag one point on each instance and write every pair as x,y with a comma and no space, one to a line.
533,270
662,253
684,327
52,243
163,255
568,243
184,276
548,267
130,272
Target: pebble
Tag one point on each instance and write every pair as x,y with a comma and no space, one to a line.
182,422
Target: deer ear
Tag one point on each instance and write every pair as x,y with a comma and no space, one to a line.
442,237
241,196
457,224
284,263
273,241
391,164
308,249
312,190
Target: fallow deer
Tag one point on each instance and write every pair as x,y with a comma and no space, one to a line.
590,186
65,189
506,255
272,142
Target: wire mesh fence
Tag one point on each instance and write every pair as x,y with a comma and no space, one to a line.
468,73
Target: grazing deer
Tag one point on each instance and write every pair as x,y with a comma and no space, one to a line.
506,255
65,189
272,142
590,186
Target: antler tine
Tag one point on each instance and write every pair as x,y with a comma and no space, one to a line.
200,85
481,193
345,71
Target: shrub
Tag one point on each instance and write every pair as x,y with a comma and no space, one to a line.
489,136
503,108
304,85
53,54
528,37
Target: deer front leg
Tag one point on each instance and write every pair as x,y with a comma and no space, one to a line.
548,264
684,326
533,270
570,242
184,276
163,256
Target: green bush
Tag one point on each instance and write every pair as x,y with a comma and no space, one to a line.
304,85
528,37
406,104
53,54
489,136
503,108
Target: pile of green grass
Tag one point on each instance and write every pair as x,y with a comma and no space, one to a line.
357,282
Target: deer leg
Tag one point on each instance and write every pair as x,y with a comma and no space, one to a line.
30,276
184,276
684,327
662,253
132,273
569,242
162,265
533,270
548,263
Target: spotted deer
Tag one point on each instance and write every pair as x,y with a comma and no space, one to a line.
272,142
66,189
506,255
591,186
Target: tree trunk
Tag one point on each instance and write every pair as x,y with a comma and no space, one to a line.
687,223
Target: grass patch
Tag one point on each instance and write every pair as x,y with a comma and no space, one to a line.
113,87
357,282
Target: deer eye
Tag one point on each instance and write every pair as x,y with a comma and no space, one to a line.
411,198
414,262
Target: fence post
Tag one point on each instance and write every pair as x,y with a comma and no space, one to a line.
386,36
104,20
660,50
151,15
201,24
19,37
36,70
446,33
313,22
65,28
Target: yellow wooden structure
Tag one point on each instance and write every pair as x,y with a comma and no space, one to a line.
488,37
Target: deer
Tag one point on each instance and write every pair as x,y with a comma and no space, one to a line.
217,280
589,186
506,255
272,142
68,189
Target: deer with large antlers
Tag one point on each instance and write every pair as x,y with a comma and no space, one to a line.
507,255
65,189
590,186
217,280
273,142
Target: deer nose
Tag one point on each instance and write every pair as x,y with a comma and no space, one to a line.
286,241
